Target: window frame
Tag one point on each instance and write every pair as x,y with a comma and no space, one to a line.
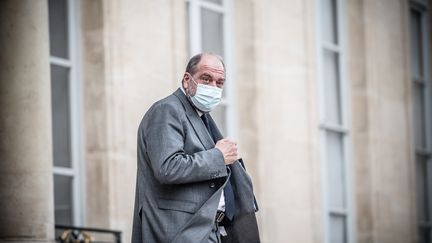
75,106
195,46
422,8
344,128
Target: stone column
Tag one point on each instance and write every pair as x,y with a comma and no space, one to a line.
26,179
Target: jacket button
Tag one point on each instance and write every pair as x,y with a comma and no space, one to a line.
212,185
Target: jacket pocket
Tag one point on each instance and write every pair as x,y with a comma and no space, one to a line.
177,205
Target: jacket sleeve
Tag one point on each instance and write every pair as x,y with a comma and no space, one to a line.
164,135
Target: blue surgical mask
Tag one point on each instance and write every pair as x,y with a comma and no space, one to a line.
206,97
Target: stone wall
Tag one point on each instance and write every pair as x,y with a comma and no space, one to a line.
134,53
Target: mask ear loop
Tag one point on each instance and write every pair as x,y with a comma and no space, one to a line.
196,84
193,80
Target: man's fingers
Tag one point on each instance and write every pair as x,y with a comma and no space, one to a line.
228,149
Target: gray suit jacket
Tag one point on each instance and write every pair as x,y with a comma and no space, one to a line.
181,175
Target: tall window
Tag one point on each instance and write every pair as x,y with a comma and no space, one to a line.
334,124
207,22
421,86
65,103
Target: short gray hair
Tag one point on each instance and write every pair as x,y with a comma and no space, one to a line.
193,62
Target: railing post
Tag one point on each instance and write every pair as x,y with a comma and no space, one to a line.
118,237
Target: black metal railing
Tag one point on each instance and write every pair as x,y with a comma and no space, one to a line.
72,234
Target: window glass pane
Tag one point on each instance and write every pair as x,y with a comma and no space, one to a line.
60,116
424,235
332,88
422,188
329,21
219,116
338,229
214,1
419,115
63,199
58,28
416,44
335,170
212,31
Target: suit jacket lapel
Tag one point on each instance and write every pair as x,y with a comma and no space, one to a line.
195,120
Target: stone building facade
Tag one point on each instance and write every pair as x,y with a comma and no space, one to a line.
330,102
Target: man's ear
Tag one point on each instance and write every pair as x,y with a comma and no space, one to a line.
185,81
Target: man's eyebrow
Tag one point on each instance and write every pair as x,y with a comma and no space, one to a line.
205,74
222,79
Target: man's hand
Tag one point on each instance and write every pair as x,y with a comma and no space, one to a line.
228,149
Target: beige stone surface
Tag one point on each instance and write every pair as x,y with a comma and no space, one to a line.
26,180
95,114
245,84
287,128
382,125
136,53
360,126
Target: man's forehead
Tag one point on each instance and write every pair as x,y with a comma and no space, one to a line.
212,64
212,69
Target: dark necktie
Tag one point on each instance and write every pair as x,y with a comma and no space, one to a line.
228,191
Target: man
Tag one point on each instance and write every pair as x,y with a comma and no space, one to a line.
191,185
